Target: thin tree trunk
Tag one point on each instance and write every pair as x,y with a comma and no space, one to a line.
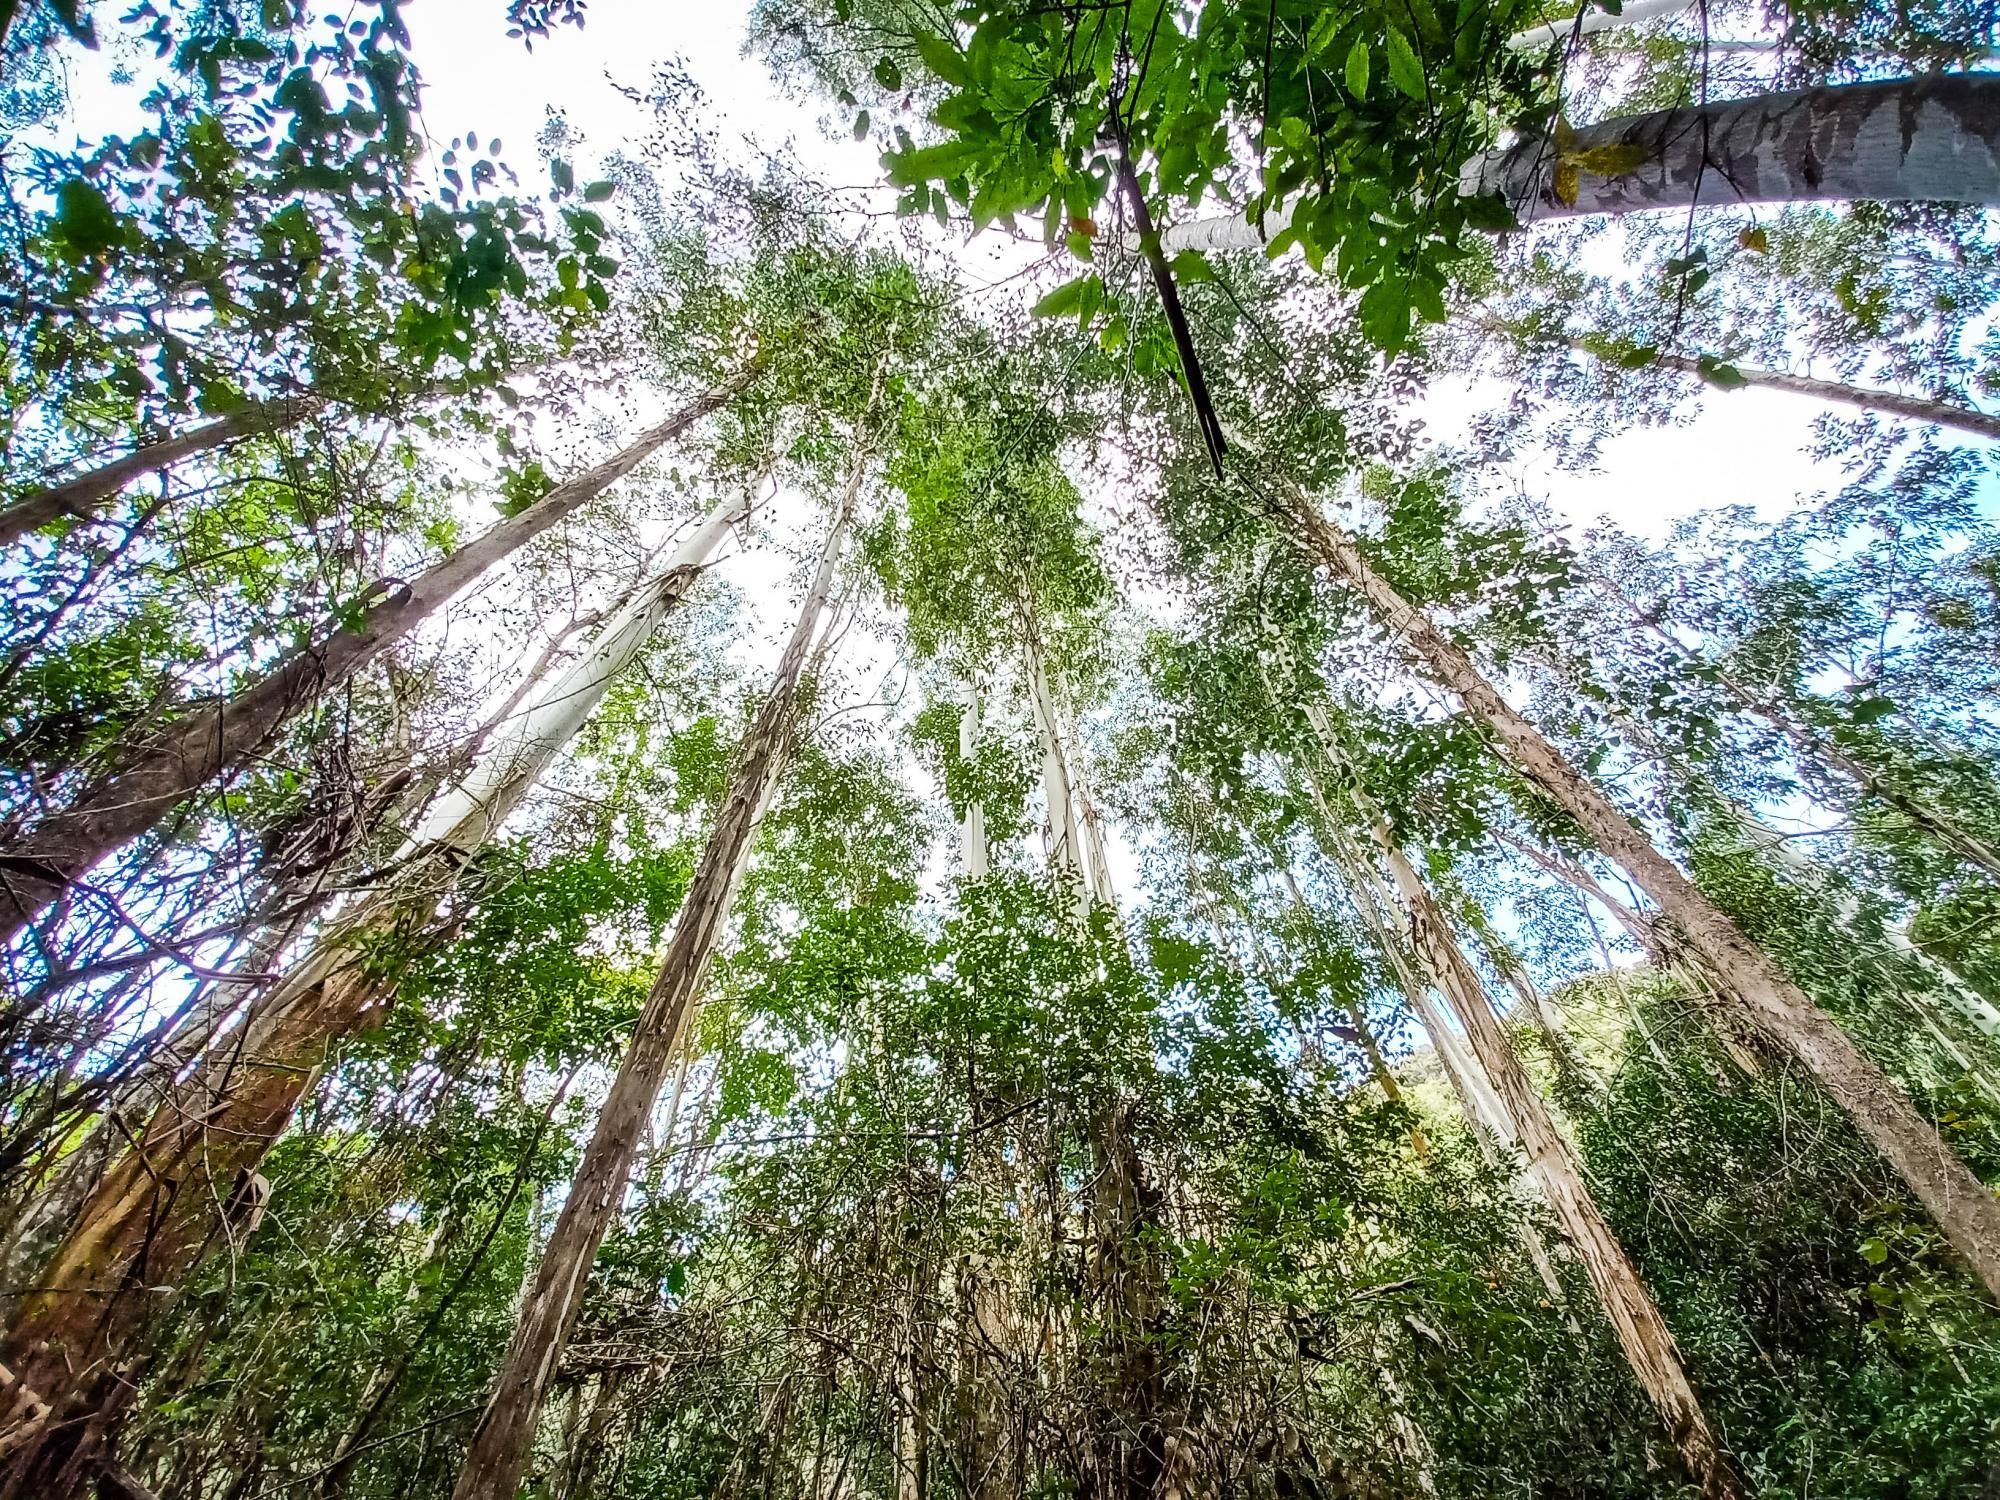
146,780
1895,403
502,1443
1962,1207
85,494
972,830
155,1213
1065,835
1930,139
1642,1333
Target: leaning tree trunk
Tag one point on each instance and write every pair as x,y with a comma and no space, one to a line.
1984,424
147,779
155,1213
972,828
1628,1305
83,495
1929,139
1961,1205
501,1445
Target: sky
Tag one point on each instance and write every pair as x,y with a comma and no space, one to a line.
1740,447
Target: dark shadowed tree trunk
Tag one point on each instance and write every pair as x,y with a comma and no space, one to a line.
83,495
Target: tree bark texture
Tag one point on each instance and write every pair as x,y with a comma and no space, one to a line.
1929,139
1956,1199
141,784
504,1439
1915,408
83,495
157,1210
1642,1333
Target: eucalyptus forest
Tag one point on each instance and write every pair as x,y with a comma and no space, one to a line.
1223,748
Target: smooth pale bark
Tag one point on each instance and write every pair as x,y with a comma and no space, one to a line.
153,1215
1929,139
502,1443
1065,833
972,828
1592,20
1956,1199
1642,1333
145,781
1866,398
85,494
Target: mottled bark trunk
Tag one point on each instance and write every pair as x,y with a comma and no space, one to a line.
1961,1205
1929,139
83,495
503,1441
157,1210
144,781
1642,1333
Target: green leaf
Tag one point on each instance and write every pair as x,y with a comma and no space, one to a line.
1635,356
561,174
1191,268
1404,70
1874,1252
889,75
85,216
1719,373
1067,298
1489,211
861,126
945,60
598,191
1357,69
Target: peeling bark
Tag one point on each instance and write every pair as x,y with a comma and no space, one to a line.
504,1439
1642,1333
145,780
152,1216
1929,139
1956,1199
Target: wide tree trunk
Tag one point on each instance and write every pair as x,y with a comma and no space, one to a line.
504,1439
1642,1333
144,781
1961,1205
1929,139
154,1214
83,495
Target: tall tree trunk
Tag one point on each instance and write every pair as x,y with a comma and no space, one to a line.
83,495
1642,1333
502,1443
1065,833
972,829
1961,1205
1866,398
1132,1457
153,1215
144,781
1929,139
